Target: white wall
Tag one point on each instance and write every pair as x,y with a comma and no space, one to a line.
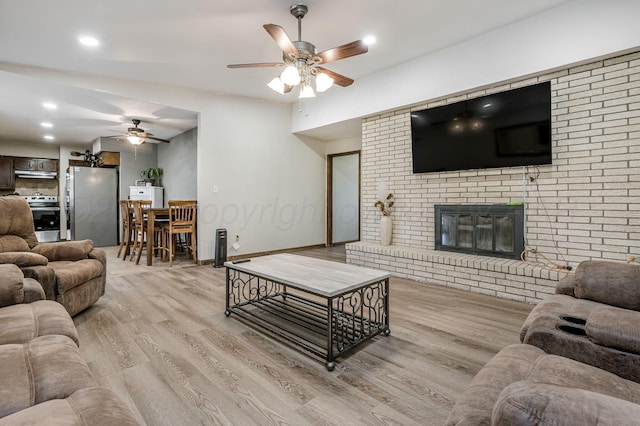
22,149
575,32
271,183
339,146
179,162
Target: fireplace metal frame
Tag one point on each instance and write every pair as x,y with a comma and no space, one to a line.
493,210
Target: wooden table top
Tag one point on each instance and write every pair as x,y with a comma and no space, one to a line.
317,276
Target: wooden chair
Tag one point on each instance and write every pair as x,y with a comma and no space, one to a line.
182,220
127,228
139,225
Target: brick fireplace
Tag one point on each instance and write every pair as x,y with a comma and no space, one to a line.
584,206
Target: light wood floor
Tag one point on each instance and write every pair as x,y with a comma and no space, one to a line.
160,339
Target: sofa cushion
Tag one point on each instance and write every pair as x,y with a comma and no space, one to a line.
615,328
17,219
11,285
89,406
12,243
520,362
24,322
524,403
23,258
66,250
70,274
46,368
612,283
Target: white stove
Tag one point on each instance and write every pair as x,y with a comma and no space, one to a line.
46,216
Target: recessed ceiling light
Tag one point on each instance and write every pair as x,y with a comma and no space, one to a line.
369,40
45,124
88,41
49,105
49,137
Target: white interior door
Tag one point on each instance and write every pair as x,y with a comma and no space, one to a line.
345,196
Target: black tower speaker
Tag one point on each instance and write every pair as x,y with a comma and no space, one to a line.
221,248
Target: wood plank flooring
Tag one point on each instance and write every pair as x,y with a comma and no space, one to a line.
160,339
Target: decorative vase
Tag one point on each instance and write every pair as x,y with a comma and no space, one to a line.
385,230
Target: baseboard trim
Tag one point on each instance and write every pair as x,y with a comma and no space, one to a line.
265,253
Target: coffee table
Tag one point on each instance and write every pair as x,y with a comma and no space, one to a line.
324,308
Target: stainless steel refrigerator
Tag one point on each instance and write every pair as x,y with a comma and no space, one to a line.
92,194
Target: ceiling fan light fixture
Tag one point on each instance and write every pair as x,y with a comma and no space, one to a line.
277,85
323,82
306,92
290,76
135,140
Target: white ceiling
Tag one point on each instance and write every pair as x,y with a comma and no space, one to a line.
189,43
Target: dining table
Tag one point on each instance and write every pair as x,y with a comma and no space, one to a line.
153,214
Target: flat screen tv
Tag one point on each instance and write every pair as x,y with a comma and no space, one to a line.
506,129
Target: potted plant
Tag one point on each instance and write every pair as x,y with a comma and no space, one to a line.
385,221
152,175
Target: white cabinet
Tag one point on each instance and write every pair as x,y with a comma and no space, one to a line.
153,193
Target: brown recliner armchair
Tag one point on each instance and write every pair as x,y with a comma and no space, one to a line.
72,273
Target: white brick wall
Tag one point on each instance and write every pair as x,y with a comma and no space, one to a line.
583,206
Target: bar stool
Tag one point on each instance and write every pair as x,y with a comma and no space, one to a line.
182,220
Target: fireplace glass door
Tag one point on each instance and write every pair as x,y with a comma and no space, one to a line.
492,230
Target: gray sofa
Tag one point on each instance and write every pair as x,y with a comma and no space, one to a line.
43,378
579,360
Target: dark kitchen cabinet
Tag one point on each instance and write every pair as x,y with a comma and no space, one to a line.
35,164
7,178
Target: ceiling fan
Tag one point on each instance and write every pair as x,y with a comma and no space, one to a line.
302,60
136,136
88,157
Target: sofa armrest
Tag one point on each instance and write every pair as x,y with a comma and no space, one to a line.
23,258
98,254
64,250
567,285
614,328
33,291
611,283
11,285
45,275
525,403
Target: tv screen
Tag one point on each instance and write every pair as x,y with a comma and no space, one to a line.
505,129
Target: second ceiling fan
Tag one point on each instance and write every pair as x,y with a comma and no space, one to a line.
302,60
136,136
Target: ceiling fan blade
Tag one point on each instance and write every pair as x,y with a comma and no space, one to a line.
281,38
156,139
338,79
256,65
354,48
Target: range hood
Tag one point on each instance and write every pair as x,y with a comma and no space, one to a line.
36,174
